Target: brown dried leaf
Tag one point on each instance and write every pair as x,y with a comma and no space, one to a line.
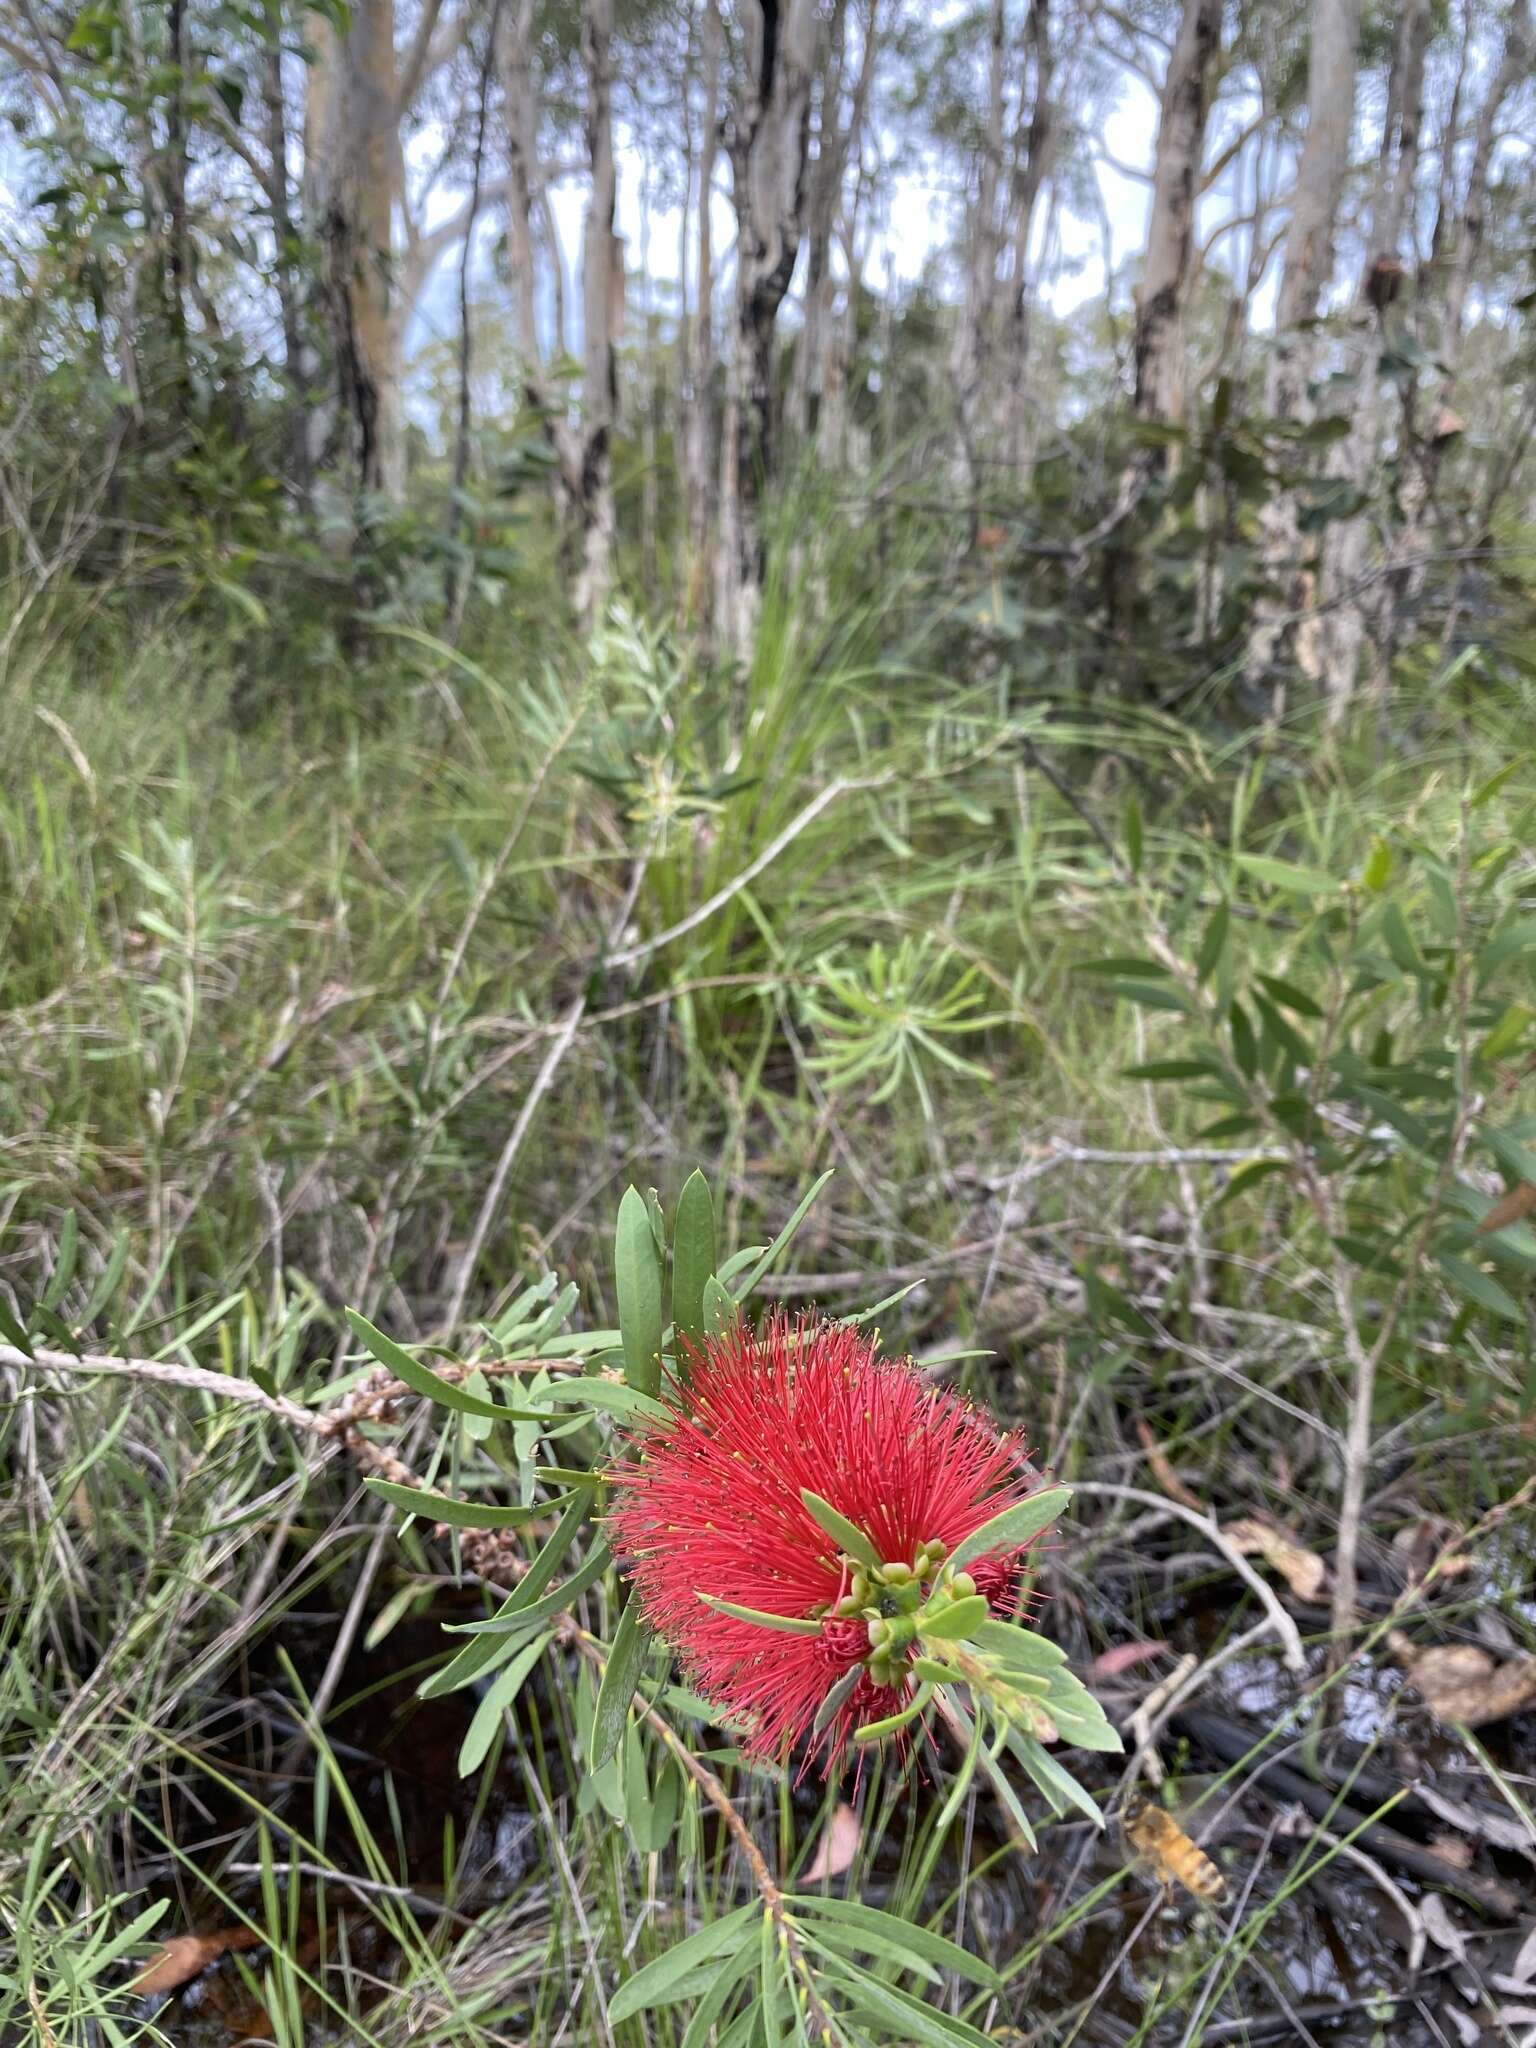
1512,1205
184,1956
1121,1657
1163,1472
1454,1849
1459,1682
1302,1569
838,1846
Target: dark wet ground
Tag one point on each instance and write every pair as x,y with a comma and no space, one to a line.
1329,1961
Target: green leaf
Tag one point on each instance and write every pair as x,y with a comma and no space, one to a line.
693,1262
499,1695
836,1698
421,1379
1134,837
1288,994
11,1330
1283,874
911,1936
1014,1526
1245,1175
782,1624
851,1541
1213,942
1122,963
1019,1649
1495,783
1479,1286
64,1263
459,1514
781,1242
512,1620
1168,1070
611,1397
1517,1160
656,1984
637,1274
621,1674
954,1622
1377,871
720,1312
1149,995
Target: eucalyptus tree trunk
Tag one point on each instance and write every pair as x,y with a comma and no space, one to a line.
1034,152
699,396
1437,432
354,178
1159,341
1338,634
974,328
1307,267
582,448
769,137
603,316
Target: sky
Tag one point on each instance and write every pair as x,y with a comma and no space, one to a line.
920,219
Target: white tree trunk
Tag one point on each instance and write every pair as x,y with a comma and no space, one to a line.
1305,275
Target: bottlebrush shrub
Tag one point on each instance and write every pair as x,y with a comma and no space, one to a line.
832,1552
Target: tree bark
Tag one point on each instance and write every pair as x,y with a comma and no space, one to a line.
355,179
1159,351
699,397
770,125
603,315
1306,270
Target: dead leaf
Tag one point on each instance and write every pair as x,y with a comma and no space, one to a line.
1442,1930
1121,1657
1523,1968
1427,1542
1510,1207
1453,1849
1459,1682
185,1956
1302,1569
1163,1472
838,1846
1497,1827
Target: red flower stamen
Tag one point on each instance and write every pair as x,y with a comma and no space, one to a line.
713,1506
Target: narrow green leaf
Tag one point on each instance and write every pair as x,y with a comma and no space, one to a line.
1479,1286
499,1695
782,1624
1283,874
693,1262
637,1273
460,1514
1213,942
621,1674
64,1263
421,1379
611,1397
782,1241
851,1541
720,1311
11,1330
917,1939
655,1984
1134,837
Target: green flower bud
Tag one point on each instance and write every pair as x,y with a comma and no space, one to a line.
879,1633
897,1574
962,1585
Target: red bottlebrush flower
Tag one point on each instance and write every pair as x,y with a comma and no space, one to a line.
713,1506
